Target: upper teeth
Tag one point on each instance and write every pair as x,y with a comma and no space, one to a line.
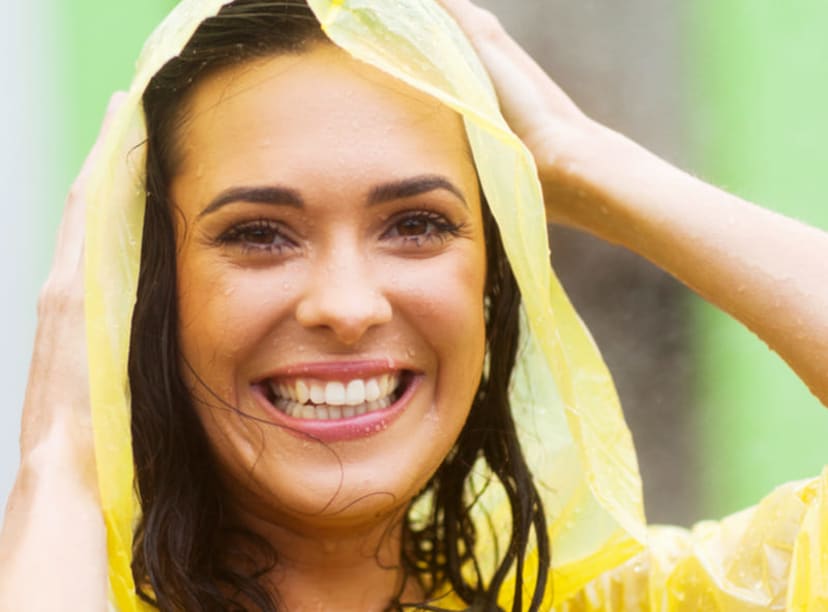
337,393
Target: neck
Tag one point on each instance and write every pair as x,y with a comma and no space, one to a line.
347,567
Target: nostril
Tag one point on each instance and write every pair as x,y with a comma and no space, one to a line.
348,314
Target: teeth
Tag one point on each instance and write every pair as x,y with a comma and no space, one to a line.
331,400
372,390
302,392
385,385
355,393
317,393
325,412
334,393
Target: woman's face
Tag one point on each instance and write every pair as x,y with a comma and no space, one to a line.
331,275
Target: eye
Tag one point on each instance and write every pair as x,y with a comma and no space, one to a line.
414,226
421,226
260,235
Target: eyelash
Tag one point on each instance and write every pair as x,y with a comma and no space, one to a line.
444,229
240,235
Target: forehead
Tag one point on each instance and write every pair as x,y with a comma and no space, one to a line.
319,112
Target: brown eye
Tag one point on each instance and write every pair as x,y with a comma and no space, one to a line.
413,226
420,228
258,235
261,236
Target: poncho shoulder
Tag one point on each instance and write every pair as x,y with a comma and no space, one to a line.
773,556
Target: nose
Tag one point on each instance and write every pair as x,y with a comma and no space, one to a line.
345,298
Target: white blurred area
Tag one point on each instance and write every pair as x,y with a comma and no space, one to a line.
30,203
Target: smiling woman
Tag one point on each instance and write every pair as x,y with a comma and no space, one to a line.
329,321
323,297
342,349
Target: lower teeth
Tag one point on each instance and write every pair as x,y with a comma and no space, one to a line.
322,412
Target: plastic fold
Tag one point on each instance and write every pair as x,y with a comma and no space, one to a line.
563,397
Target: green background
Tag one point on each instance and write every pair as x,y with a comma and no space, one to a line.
758,76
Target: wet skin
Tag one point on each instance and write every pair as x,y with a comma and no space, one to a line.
329,226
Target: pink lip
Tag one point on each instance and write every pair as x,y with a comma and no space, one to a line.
337,370
339,430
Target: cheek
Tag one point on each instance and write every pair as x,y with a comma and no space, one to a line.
224,314
446,302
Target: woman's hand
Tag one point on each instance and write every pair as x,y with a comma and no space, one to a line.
537,110
766,270
535,107
564,142
53,543
56,409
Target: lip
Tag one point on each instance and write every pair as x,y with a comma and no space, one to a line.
339,430
338,370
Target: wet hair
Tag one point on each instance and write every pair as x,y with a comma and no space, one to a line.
188,554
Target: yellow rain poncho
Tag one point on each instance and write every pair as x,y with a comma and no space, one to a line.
574,435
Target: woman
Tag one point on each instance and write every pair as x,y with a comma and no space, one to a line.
374,272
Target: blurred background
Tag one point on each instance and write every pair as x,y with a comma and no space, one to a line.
734,91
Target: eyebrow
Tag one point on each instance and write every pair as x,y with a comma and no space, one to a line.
283,196
256,195
414,186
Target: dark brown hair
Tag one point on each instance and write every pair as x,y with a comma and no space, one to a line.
188,555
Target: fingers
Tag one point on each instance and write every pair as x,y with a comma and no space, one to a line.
489,37
496,48
464,11
529,99
68,256
115,102
477,23
57,396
